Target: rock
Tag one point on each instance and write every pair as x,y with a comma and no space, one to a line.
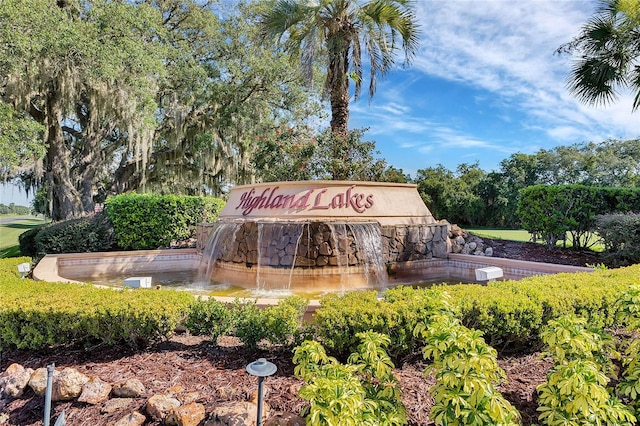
131,388
189,397
285,419
95,391
236,414
38,380
14,381
456,231
159,406
472,246
115,404
488,251
131,419
67,385
190,414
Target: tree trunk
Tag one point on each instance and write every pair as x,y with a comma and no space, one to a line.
338,69
65,201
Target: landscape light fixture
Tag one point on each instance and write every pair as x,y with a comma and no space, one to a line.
24,269
261,368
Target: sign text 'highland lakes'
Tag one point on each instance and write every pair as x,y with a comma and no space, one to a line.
313,199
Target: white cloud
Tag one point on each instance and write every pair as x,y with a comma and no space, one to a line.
507,48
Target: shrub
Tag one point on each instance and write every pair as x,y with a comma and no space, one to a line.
621,236
507,318
87,234
396,314
275,325
209,317
467,372
363,391
27,241
151,221
575,391
37,315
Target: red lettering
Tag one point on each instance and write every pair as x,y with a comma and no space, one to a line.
316,204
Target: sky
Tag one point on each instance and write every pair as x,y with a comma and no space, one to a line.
485,84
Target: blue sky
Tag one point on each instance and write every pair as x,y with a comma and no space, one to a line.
486,84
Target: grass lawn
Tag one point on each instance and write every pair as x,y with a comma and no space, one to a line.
501,234
521,235
9,234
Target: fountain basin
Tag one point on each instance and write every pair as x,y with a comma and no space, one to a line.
456,267
322,235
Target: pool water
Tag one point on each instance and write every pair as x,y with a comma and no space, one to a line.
188,281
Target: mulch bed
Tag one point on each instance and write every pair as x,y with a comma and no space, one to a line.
217,373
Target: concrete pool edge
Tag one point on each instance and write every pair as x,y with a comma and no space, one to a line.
65,267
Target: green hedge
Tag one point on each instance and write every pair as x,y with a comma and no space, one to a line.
551,211
510,313
151,221
36,315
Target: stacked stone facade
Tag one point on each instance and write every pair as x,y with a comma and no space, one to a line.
328,244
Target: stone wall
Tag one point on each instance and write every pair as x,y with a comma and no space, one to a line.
320,244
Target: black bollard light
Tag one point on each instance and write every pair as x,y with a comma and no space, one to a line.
261,368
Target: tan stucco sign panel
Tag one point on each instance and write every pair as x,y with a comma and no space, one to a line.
328,199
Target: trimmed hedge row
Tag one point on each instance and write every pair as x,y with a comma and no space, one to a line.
149,221
511,314
35,315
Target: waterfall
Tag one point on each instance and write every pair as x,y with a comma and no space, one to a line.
366,253
219,244
368,239
277,248
280,252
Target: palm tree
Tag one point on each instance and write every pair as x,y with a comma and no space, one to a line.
341,30
609,50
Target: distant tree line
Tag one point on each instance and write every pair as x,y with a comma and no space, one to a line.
472,196
12,208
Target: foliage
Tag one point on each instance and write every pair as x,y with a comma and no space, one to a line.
467,372
551,211
621,236
295,154
341,317
84,235
361,392
151,221
285,155
37,315
337,34
508,318
280,324
607,52
469,195
453,196
92,68
209,317
629,315
20,146
345,156
575,391
164,96
14,209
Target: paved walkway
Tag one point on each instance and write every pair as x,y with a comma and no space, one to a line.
8,220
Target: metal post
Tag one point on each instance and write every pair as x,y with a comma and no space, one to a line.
47,397
260,386
261,368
